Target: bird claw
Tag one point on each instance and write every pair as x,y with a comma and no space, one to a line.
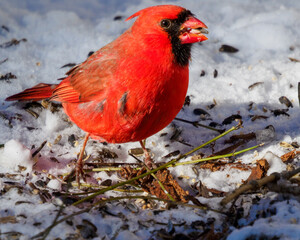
79,173
149,162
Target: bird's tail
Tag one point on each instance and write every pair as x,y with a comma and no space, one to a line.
38,92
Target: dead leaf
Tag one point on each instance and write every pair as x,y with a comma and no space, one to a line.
206,192
260,171
289,156
212,166
150,184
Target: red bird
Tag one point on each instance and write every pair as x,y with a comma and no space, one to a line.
134,86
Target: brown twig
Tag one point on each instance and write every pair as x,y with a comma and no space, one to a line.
254,184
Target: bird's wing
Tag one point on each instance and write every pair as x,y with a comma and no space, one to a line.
86,80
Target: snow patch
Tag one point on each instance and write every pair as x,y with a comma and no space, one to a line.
15,155
275,162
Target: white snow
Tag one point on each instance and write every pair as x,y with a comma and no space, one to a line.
267,34
276,164
54,184
13,156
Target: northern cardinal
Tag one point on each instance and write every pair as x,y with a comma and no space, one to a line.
134,86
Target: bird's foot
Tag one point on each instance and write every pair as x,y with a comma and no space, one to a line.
79,164
149,161
79,173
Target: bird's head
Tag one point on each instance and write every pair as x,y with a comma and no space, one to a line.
178,25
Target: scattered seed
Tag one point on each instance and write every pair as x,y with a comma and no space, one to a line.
250,106
39,149
31,128
215,73
57,139
8,76
21,168
23,202
284,100
54,107
163,134
40,183
118,18
195,170
187,101
183,177
106,153
53,159
136,151
256,117
202,74
295,144
278,112
6,118
211,106
71,140
107,183
294,59
8,219
36,224
3,61
214,124
12,42
32,105
228,49
45,103
69,65
230,119
255,85
33,113
176,133
286,145
200,111
90,53
299,92
172,154
5,28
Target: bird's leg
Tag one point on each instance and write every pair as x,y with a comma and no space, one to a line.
148,160
79,163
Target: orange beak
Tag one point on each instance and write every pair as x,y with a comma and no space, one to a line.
192,31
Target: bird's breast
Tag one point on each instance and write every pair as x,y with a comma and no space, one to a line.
143,98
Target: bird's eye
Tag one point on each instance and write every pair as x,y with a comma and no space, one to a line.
165,23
